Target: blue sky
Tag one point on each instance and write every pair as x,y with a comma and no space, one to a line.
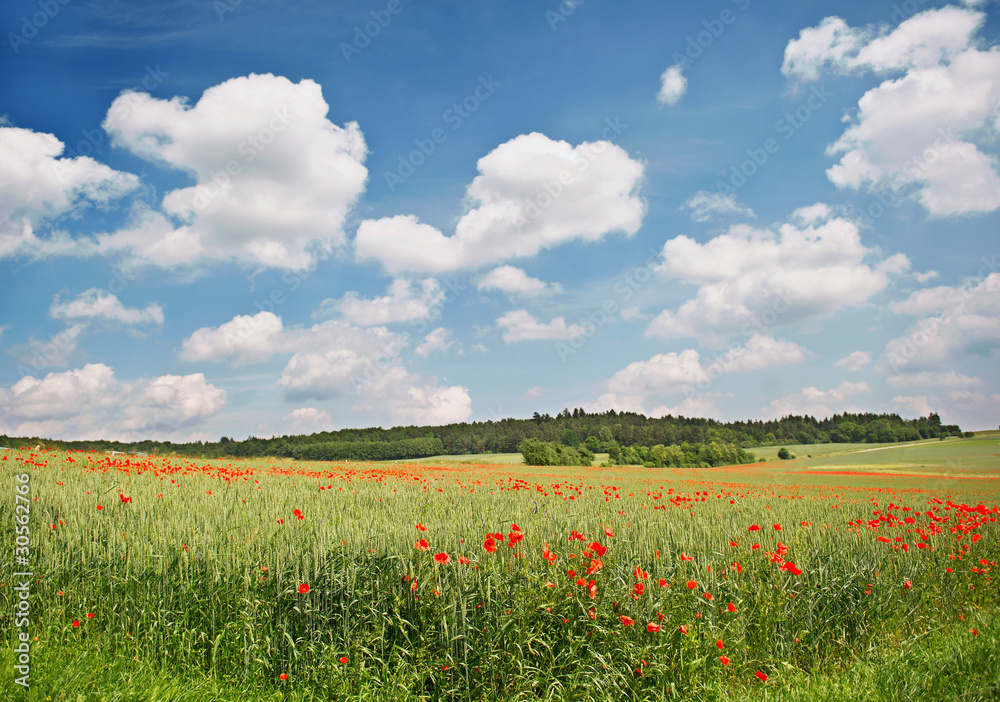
260,218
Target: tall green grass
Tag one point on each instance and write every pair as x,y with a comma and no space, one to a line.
196,580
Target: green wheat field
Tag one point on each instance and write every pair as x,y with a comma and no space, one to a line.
843,574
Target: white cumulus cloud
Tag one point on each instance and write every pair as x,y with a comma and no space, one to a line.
521,325
753,280
816,402
920,132
90,403
854,361
707,205
405,301
514,280
100,305
335,360
275,179
37,187
532,193
673,85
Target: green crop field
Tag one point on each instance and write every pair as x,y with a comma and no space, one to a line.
868,575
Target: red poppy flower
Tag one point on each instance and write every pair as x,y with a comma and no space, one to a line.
683,629
685,557
124,499
627,621
724,660
731,607
421,527
611,534
754,527
100,507
303,588
343,660
761,676
692,584
442,558
777,527
652,628
90,615
283,676
421,545
907,584
708,596
76,623
719,644
663,583
638,588
489,545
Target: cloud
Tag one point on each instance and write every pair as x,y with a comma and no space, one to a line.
37,188
956,323
521,325
406,301
673,85
644,383
514,280
242,340
920,133
533,393
949,379
703,404
90,403
811,214
275,179
753,280
307,420
532,194
334,360
437,340
641,382
706,205
815,402
854,361
916,404
99,305
761,352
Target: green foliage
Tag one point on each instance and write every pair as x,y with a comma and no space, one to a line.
370,450
547,453
626,429
783,454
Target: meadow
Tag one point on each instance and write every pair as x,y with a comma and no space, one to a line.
848,575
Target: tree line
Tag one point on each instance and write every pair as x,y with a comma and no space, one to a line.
588,429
